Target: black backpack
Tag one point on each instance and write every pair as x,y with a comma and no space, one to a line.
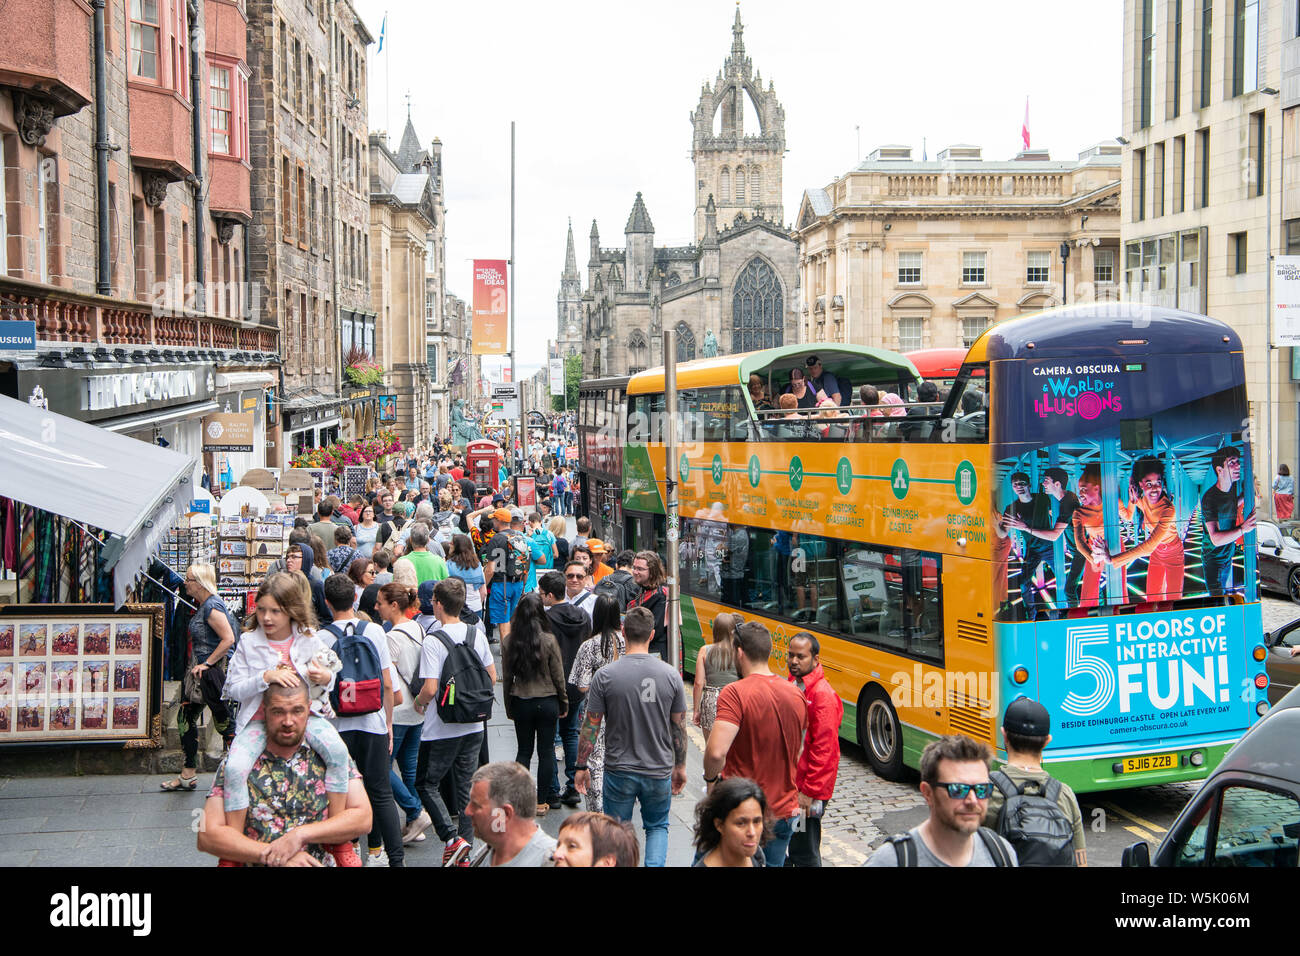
905,848
1033,823
608,585
464,687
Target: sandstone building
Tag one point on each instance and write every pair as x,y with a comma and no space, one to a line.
905,254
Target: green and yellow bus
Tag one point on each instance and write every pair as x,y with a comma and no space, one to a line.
1072,521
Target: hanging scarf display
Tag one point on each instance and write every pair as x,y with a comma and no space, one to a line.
27,555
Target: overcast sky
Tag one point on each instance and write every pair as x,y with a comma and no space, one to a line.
602,94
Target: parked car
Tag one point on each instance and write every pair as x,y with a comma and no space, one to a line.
1283,669
1247,813
1278,550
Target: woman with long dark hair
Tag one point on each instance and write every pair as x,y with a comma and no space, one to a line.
603,647
534,692
730,825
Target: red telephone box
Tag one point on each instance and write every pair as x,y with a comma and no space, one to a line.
482,463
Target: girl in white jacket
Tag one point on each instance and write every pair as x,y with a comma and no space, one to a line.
280,651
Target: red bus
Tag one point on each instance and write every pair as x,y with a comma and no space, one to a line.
938,365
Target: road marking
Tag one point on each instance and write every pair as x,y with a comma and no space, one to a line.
1138,831
1136,819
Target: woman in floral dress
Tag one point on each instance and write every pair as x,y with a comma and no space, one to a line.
603,647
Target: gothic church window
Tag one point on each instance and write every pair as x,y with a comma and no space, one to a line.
673,279
724,185
757,313
756,183
740,184
685,343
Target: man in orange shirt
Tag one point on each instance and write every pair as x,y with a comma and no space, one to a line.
1090,534
759,734
1163,548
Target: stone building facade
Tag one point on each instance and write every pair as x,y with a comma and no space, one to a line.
403,210
143,269
736,285
305,58
465,369
1211,110
350,214
907,255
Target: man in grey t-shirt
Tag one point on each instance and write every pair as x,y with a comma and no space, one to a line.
955,784
503,807
642,703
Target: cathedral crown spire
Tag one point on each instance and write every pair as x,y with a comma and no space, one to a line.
570,257
737,30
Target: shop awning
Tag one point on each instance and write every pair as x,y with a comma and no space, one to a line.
132,489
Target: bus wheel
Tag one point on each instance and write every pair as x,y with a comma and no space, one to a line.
880,734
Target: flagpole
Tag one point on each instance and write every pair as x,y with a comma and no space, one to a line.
388,105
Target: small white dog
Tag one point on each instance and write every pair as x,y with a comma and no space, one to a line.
325,659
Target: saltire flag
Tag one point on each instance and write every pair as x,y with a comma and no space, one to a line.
382,28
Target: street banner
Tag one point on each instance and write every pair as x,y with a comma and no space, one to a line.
506,374
1286,301
489,332
571,453
557,376
233,432
526,490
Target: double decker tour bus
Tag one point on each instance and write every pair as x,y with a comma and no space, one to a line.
939,365
600,458
1075,525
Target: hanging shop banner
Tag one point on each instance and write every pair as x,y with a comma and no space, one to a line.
1286,301
557,376
230,432
387,408
80,672
489,307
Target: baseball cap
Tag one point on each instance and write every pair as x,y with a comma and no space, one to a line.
1028,718
812,360
501,514
498,499
595,546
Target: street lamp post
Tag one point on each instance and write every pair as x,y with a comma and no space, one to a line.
1268,306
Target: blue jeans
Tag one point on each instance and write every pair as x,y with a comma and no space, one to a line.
567,732
622,790
776,847
406,751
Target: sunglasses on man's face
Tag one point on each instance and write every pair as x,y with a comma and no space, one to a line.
575,577
958,791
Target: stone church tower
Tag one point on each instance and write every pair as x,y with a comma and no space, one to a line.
740,168
568,304
738,282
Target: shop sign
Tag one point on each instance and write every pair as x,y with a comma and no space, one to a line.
228,432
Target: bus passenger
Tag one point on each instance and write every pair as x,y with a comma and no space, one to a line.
1163,548
758,393
798,387
824,385
827,409
868,397
791,426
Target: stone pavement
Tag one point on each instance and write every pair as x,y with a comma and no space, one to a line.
124,820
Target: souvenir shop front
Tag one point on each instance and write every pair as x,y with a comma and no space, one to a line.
82,625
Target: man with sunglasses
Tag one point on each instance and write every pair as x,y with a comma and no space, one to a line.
576,588
956,786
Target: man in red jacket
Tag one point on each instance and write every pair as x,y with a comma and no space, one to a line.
820,760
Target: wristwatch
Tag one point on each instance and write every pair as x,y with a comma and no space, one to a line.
713,779
580,767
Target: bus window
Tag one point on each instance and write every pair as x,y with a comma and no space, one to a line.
893,599
721,411
645,419
966,415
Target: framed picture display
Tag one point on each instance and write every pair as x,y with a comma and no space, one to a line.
354,481
81,673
